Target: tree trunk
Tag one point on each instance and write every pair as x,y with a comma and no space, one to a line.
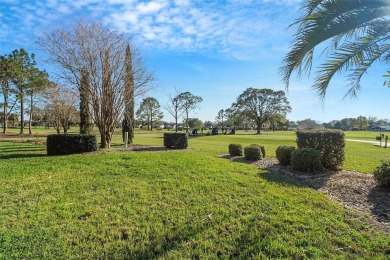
31,112
21,114
258,128
105,140
176,122
5,114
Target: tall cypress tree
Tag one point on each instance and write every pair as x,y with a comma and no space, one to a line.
128,117
85,118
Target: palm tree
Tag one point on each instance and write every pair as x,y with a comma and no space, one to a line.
357,34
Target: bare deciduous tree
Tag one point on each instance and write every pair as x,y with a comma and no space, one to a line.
102,52
61,107
175,107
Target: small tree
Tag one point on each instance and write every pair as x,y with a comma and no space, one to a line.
220,117
61,107
189,102
150,108
175,107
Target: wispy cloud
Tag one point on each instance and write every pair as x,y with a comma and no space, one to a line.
234,28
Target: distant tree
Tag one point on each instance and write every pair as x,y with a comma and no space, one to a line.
189,102
61,107
372,120
233,117
362,123
39,80
6,90
308,124
276,122
28,80
194,123
175,107
150,108
261,104
220,117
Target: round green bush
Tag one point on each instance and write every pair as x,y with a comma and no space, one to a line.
382,174
306,160
252,152
283,154
235,149
262,149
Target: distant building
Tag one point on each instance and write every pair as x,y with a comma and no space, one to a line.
379,128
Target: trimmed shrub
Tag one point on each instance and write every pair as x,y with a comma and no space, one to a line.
330,143
252,152
61,144
235,149
382,174
262,149
176,140
283,154
306,160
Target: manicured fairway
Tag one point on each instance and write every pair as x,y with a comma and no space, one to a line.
174,205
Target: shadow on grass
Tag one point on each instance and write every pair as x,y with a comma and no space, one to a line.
352,189
379,198
22,151
21,155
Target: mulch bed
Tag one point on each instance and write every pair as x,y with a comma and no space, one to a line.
351,189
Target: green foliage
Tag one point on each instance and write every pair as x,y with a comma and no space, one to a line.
176,140
175,205
261,147
283,154
253,152
261,105
331,22
235,149
330,143
70,144
306,160
382,174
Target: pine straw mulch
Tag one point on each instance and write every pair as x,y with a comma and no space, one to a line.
351,189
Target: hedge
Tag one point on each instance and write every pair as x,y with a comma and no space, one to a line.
62,144
306,160
330,143
176,140
283,154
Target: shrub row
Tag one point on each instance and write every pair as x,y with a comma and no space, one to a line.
251,152
61,144
176,140
330,143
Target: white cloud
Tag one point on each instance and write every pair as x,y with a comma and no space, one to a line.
150,7
235,28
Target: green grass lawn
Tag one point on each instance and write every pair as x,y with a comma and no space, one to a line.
174,205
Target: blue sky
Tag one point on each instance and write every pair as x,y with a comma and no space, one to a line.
214,49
